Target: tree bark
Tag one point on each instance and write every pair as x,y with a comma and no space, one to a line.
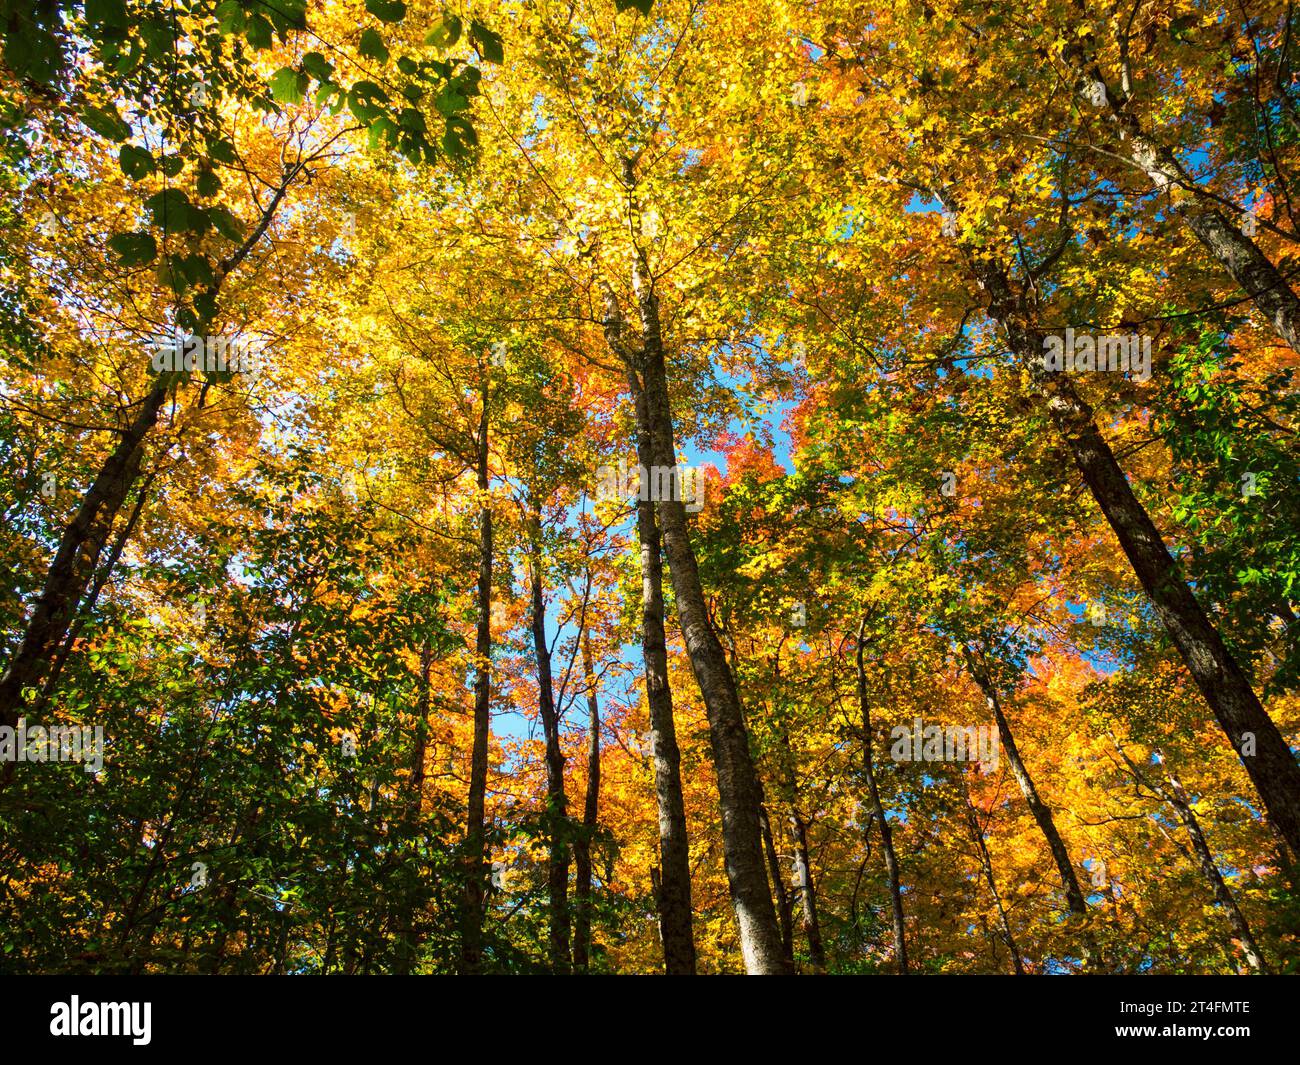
83,539
556,815
674,895
77,556
1042,813
801,863
408,942
886,833
784,907
590,818
986,863
807,890
1179,800
471,959
738,787
1176,796
1238,255
1272,767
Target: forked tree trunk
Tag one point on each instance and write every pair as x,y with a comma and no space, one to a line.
1176,796
84,538
556,816
784,907
1179,800
1229,246
738,787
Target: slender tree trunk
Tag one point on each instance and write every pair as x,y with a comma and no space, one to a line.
1042,813
807,890
590,818
407,941
475,834
84,538
738,787
801,863
1173,793
674,895
1179,800
77,556
1238,255
784,906
886,833
986,863
557,874
1272,767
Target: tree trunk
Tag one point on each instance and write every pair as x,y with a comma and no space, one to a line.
407,941
784,907
801,863
76,558
674,893
1271,767
590,815
1174,794
1228,245
556,816
807,891
1041,811
471,958
738,788
986,863
886,833
1179,800
84,538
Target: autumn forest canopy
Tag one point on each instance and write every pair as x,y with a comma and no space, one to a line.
613,486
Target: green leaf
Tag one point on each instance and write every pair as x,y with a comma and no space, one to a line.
364,100
106,122
170,209
133,249
446,33
226,223
372,45
449,101
459,138
208,184
259,32
488,42
221,151
195,269
288,85
412,119
135,162
387,10
107,13
382,129
318,66
231,17
642,6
